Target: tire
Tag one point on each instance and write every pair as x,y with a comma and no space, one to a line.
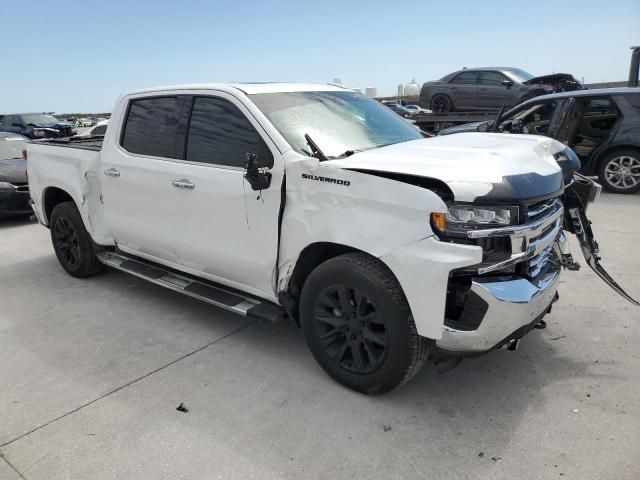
72,244
441,104
375,347
619,171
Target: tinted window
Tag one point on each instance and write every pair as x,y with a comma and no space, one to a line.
465,78
491,78
151,127
219,133
599,106
99,130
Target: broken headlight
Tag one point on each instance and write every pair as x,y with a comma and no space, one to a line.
460,218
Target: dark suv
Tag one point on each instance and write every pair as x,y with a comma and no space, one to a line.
601,126
36,125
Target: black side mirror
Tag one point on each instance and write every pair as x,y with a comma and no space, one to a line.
507,83
257,178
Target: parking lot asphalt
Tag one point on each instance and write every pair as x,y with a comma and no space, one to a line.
91,373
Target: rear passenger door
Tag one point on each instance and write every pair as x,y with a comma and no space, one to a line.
137,172
464,91
227,231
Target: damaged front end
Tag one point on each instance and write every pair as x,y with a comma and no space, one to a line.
577,198
496,302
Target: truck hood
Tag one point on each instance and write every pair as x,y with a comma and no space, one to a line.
475,166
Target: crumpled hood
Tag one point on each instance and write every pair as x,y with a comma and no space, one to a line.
475,166
13,170
561,82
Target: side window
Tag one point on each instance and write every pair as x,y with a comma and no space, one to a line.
99,130
465,78
7,120
151,127
220,134
16,121
491,78
599,106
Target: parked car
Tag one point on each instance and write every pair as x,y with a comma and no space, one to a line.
84,122
14,190
400,110
490,88
602,126
36,125
388,248
415,109
99,128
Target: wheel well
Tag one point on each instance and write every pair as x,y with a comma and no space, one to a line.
312,256
52,197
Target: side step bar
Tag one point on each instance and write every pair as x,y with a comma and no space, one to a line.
217,295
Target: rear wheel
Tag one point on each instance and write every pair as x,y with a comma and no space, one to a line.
441,104
619,171
72,243
358,325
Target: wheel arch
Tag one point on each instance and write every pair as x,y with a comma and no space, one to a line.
600,156
52,196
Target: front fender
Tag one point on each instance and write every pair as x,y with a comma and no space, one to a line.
385,218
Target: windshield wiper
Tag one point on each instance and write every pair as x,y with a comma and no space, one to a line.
315,149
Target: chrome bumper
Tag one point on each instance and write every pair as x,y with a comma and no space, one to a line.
513,303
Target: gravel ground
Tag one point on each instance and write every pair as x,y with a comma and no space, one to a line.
91,373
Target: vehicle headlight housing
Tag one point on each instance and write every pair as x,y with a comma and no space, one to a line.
39,132
6,185
460,218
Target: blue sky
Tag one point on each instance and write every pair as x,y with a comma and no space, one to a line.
81,56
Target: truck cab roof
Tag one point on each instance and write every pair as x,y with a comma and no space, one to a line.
246,88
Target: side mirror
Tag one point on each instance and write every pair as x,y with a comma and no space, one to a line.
507,83
257,177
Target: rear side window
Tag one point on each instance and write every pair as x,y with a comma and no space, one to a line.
151,127
99,130
220,134
465,78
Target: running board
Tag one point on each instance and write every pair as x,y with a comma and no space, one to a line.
216,295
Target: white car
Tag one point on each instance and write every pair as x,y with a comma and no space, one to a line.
320,204
98,129
416,109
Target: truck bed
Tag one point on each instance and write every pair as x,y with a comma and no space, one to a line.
86,143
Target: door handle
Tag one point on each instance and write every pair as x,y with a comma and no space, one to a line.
112,172
185,184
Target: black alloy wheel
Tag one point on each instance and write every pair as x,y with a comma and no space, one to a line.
66,242
441,104
358,324
351,329
74,247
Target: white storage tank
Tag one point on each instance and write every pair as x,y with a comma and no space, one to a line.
412,89
371,92
400,90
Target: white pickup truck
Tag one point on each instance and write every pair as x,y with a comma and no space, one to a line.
319,204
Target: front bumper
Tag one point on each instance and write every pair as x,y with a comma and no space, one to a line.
512,305
506,298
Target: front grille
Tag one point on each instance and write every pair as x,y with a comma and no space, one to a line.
537,210
21,187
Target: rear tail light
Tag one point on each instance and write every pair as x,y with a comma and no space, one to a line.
24,154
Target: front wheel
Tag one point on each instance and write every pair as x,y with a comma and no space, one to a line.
72,243
619,171
358,325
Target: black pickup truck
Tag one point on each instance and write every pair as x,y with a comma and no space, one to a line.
36,125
